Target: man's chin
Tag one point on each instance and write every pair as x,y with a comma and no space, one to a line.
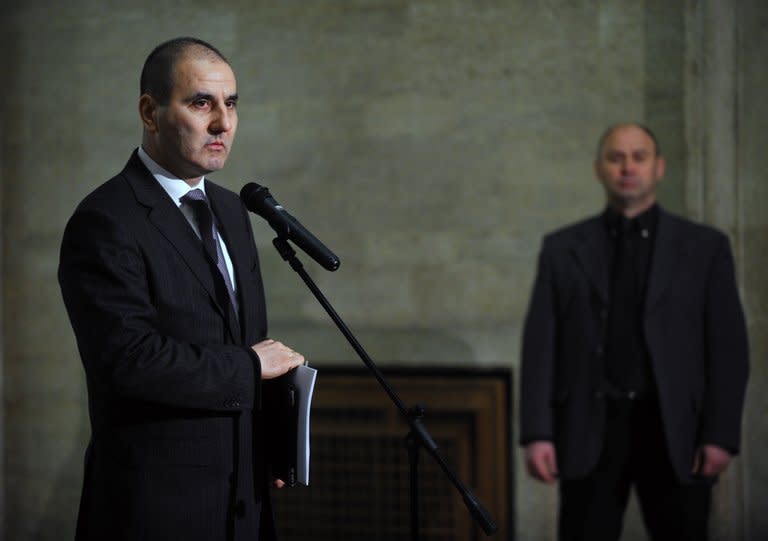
629,195
636,202
215,163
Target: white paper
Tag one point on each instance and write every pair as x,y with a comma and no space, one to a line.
303,380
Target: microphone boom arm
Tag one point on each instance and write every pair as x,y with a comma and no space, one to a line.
418,435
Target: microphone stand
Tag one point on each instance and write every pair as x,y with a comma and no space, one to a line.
418,436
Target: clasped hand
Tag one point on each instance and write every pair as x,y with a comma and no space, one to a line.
276,358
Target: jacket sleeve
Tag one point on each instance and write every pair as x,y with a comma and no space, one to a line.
105,284
538,357
727,354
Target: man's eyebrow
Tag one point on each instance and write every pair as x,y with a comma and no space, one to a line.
200,96
210,97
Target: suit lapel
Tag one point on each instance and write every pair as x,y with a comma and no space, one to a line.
171,223
665,260
591,252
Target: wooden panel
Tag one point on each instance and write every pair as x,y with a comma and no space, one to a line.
359,474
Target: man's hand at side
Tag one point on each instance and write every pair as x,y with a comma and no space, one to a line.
541,461
710,460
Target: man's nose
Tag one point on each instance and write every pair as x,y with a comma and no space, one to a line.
222,120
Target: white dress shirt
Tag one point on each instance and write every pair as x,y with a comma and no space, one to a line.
177,188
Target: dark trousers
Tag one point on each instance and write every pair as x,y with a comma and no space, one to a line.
634,454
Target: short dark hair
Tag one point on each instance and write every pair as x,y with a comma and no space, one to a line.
607,133
157,76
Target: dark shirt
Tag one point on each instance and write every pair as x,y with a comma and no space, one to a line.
627,367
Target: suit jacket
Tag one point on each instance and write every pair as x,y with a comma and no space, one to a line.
693,326
177,448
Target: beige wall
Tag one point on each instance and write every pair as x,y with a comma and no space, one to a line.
430,143
751,170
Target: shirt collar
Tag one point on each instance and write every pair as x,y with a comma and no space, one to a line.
175,187
645,221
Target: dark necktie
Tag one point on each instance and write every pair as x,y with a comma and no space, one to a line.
210,236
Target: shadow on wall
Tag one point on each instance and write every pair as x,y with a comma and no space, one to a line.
58,517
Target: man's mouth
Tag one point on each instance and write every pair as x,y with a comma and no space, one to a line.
628,182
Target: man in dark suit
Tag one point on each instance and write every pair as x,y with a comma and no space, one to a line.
634,358
160,276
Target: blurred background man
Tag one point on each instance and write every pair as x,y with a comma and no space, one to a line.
635,356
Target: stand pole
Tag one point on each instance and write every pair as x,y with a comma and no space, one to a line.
413,461
419,434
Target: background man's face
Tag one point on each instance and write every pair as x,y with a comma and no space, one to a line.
629,169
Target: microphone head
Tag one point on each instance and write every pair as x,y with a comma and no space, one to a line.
258,200
253,196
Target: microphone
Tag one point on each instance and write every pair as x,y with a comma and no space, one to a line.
258,200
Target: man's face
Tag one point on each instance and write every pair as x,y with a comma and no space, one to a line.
629,169
193,134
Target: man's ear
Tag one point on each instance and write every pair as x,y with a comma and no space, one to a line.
661,165
148,111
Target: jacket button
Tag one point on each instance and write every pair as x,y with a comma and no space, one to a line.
599,395
599,351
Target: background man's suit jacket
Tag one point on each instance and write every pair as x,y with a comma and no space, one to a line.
177,448
694,329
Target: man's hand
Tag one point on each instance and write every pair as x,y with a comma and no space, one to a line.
541,462
710,460
276,358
